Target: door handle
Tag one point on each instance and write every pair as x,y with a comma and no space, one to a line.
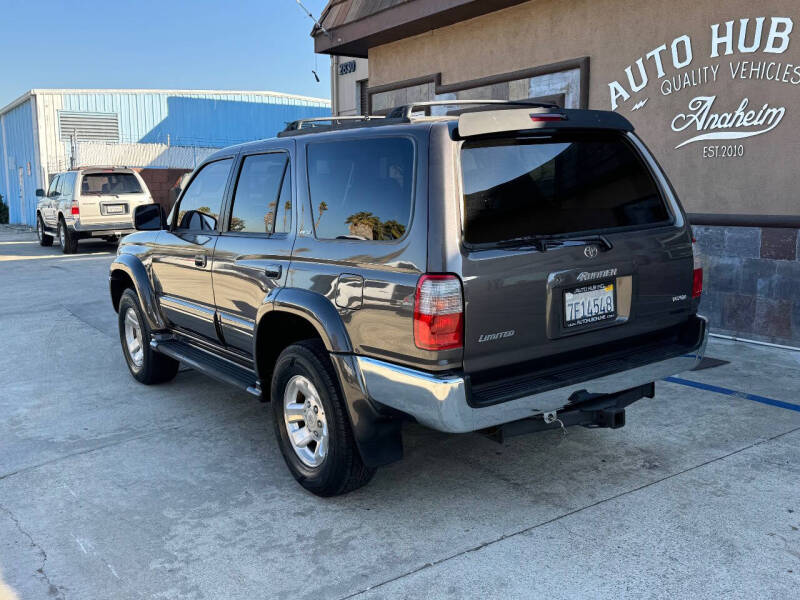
273,271
200,260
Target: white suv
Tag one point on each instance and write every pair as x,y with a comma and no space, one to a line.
91,202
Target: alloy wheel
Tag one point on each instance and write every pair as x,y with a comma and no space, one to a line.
305,421
133,338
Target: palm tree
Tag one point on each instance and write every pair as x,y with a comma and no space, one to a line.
392,230
323,206
363,223
286,212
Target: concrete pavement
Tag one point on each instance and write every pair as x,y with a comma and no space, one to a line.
110,489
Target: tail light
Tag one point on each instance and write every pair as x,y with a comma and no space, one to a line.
75,210
439,313
697,276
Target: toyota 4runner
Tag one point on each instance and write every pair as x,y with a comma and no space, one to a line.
503,268
93,202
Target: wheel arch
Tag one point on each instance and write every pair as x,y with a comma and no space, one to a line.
297,314
128,271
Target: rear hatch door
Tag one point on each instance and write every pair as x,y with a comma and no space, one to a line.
110,196
570,245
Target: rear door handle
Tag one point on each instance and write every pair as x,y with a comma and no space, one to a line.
273,271
200,260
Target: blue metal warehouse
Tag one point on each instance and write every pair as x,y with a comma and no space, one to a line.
44,131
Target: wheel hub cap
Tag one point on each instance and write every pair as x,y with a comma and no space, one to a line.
305,421
133,338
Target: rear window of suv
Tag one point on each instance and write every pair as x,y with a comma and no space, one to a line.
554,185
97,184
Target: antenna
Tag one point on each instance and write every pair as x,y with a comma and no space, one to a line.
310,16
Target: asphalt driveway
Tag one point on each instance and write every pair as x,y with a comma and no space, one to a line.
110,489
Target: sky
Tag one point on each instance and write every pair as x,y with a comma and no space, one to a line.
233,44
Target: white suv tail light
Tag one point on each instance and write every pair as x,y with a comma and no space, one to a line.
439,313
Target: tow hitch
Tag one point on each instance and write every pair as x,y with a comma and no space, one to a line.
588,410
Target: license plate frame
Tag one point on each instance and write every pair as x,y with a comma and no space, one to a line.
115,209
589,291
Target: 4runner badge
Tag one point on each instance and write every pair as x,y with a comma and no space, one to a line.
597,275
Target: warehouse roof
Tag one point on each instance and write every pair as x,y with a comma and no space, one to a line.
40,91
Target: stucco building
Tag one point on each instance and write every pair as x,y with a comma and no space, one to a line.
712,87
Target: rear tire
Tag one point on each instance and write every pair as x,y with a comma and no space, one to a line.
44,239
307,400
145,364
67,238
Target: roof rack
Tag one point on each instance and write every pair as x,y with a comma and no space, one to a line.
400,114
406,111
324,123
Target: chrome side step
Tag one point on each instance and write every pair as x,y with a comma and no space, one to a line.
210,364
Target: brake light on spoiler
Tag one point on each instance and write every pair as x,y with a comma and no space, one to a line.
544,118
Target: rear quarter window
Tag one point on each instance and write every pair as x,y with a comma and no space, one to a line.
553,185
361,189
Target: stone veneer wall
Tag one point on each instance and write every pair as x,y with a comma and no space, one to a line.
751,282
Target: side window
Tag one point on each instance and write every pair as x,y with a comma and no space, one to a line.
201,203
259,202
361,189
51,191
68,184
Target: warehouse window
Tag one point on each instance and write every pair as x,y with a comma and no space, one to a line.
88,126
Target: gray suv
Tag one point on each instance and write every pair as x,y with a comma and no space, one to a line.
502,267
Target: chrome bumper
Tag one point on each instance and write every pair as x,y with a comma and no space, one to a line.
101,229
441,402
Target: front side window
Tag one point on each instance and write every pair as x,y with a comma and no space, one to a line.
259,203
561,184
97,184
361,189
202,201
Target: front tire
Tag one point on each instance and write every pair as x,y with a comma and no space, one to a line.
68,239
145,364
44,239
311,422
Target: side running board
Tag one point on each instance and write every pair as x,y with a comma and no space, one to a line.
213,366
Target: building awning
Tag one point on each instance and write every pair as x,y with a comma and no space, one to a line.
352,27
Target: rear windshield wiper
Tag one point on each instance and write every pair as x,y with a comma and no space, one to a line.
586,239
544,242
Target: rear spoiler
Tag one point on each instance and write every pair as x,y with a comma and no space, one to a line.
495,121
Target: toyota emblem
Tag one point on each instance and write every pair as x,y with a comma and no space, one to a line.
590,251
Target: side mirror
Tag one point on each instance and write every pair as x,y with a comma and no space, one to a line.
149,217
39,193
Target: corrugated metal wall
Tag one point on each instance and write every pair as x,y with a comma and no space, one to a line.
19,163
182,118
187,119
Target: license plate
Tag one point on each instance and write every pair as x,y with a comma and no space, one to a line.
115,209
589,304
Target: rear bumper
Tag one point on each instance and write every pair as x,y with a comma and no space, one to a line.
440,402
103,229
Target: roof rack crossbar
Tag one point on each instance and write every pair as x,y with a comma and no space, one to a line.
406,111
315,121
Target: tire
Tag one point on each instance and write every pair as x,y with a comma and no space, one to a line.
67,238
340,469
146,365
44,239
